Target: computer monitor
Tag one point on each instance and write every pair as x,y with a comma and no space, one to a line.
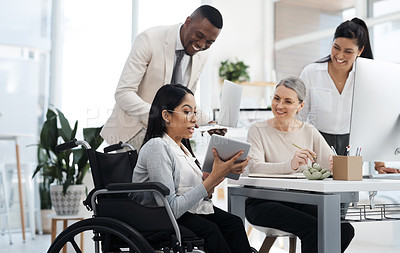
375,117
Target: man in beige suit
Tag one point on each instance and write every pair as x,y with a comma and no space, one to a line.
151,64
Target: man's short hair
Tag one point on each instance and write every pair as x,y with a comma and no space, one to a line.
211,14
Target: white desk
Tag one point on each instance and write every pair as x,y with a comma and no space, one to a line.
326,195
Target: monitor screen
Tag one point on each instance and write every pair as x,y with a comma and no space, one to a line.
375,119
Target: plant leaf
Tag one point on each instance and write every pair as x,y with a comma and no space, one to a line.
92,136
50,114
38,168
49,133
73,134
65,130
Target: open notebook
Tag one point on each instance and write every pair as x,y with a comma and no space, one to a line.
293,175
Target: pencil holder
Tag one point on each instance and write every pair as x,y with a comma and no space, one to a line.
348,168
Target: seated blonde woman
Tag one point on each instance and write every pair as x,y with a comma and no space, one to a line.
273,152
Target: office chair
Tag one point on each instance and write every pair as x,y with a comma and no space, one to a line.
270,236
120,224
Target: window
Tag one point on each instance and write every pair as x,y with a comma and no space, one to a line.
304,26
97,40
385,36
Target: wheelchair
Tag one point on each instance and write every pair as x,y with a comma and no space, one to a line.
118,223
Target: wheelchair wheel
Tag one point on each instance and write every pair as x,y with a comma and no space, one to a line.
109,235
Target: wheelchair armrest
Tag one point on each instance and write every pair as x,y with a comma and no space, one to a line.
139,186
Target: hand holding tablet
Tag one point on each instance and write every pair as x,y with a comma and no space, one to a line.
226,149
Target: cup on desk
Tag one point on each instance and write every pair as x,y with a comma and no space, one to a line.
347,168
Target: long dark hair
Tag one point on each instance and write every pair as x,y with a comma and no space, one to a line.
168,97
353,29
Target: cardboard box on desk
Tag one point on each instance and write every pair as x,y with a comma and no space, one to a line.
347,168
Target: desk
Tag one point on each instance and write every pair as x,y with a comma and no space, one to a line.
325,194
14,137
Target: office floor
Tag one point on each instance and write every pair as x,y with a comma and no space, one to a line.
360,243
38,245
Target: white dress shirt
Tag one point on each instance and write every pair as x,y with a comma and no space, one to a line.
185,65
325,108
190,176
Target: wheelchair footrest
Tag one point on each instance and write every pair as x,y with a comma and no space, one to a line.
189,245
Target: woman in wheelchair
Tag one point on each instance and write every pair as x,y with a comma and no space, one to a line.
166,157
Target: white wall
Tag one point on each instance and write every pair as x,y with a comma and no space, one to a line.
242,38
242,35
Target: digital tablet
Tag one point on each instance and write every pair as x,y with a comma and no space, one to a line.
226,148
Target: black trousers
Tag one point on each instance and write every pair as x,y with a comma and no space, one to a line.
297,219
339,141
222,232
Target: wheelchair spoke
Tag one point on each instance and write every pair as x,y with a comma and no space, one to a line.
75,245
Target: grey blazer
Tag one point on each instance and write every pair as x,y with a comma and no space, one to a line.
157,163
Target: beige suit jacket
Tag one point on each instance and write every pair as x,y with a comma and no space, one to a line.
148,67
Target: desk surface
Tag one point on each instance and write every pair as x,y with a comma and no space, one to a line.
325,186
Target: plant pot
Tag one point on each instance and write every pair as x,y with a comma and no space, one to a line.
68,204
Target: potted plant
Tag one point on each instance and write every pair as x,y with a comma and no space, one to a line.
234,71
63,173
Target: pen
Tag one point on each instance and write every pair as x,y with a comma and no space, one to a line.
358,153
297,146
348,150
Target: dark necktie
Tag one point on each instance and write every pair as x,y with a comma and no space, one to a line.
177,74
